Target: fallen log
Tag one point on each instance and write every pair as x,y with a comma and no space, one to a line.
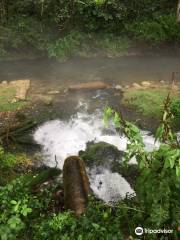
89,86
76,185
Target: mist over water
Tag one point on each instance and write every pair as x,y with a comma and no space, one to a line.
61,139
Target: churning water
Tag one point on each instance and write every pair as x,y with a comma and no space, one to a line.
61,139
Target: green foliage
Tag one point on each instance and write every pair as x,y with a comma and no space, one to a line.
111,44
13,206
175,108
148,102
67,46
159,181
157,30
26,214
20,208
81,44
47,27
99,222
26,32
7,162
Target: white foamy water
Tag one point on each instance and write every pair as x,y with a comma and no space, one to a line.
110,187
66,138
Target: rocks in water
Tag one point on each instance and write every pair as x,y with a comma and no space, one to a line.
76,185
145,83
100,154
136,85
126,87
95,85
118,87
53,92
47,100
103,156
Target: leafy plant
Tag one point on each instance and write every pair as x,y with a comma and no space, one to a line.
159,180
159,29
13,206
20,208
99,222
67,46
175,108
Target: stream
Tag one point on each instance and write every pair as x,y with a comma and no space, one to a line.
83,112
60,139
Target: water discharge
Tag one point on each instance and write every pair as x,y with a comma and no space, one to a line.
61,139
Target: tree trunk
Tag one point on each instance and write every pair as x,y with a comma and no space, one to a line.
178,12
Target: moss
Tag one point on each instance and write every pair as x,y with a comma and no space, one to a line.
100,153
149,102
7,94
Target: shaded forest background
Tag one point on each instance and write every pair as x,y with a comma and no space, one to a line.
59,28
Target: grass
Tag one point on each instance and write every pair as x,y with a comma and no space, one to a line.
149,102
7,94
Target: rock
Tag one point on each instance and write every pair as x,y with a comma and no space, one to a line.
47,100
53,92
118,87
21,86
4,83
101,154
76,185
14,100
145,83
89,86
136,85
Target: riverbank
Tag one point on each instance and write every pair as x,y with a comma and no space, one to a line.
108,48
50,80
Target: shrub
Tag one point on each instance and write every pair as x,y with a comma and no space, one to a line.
159,29
159,169
175,108
99,222
68,45
78,43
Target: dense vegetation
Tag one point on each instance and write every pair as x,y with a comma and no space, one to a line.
31,199
54,27
33,210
